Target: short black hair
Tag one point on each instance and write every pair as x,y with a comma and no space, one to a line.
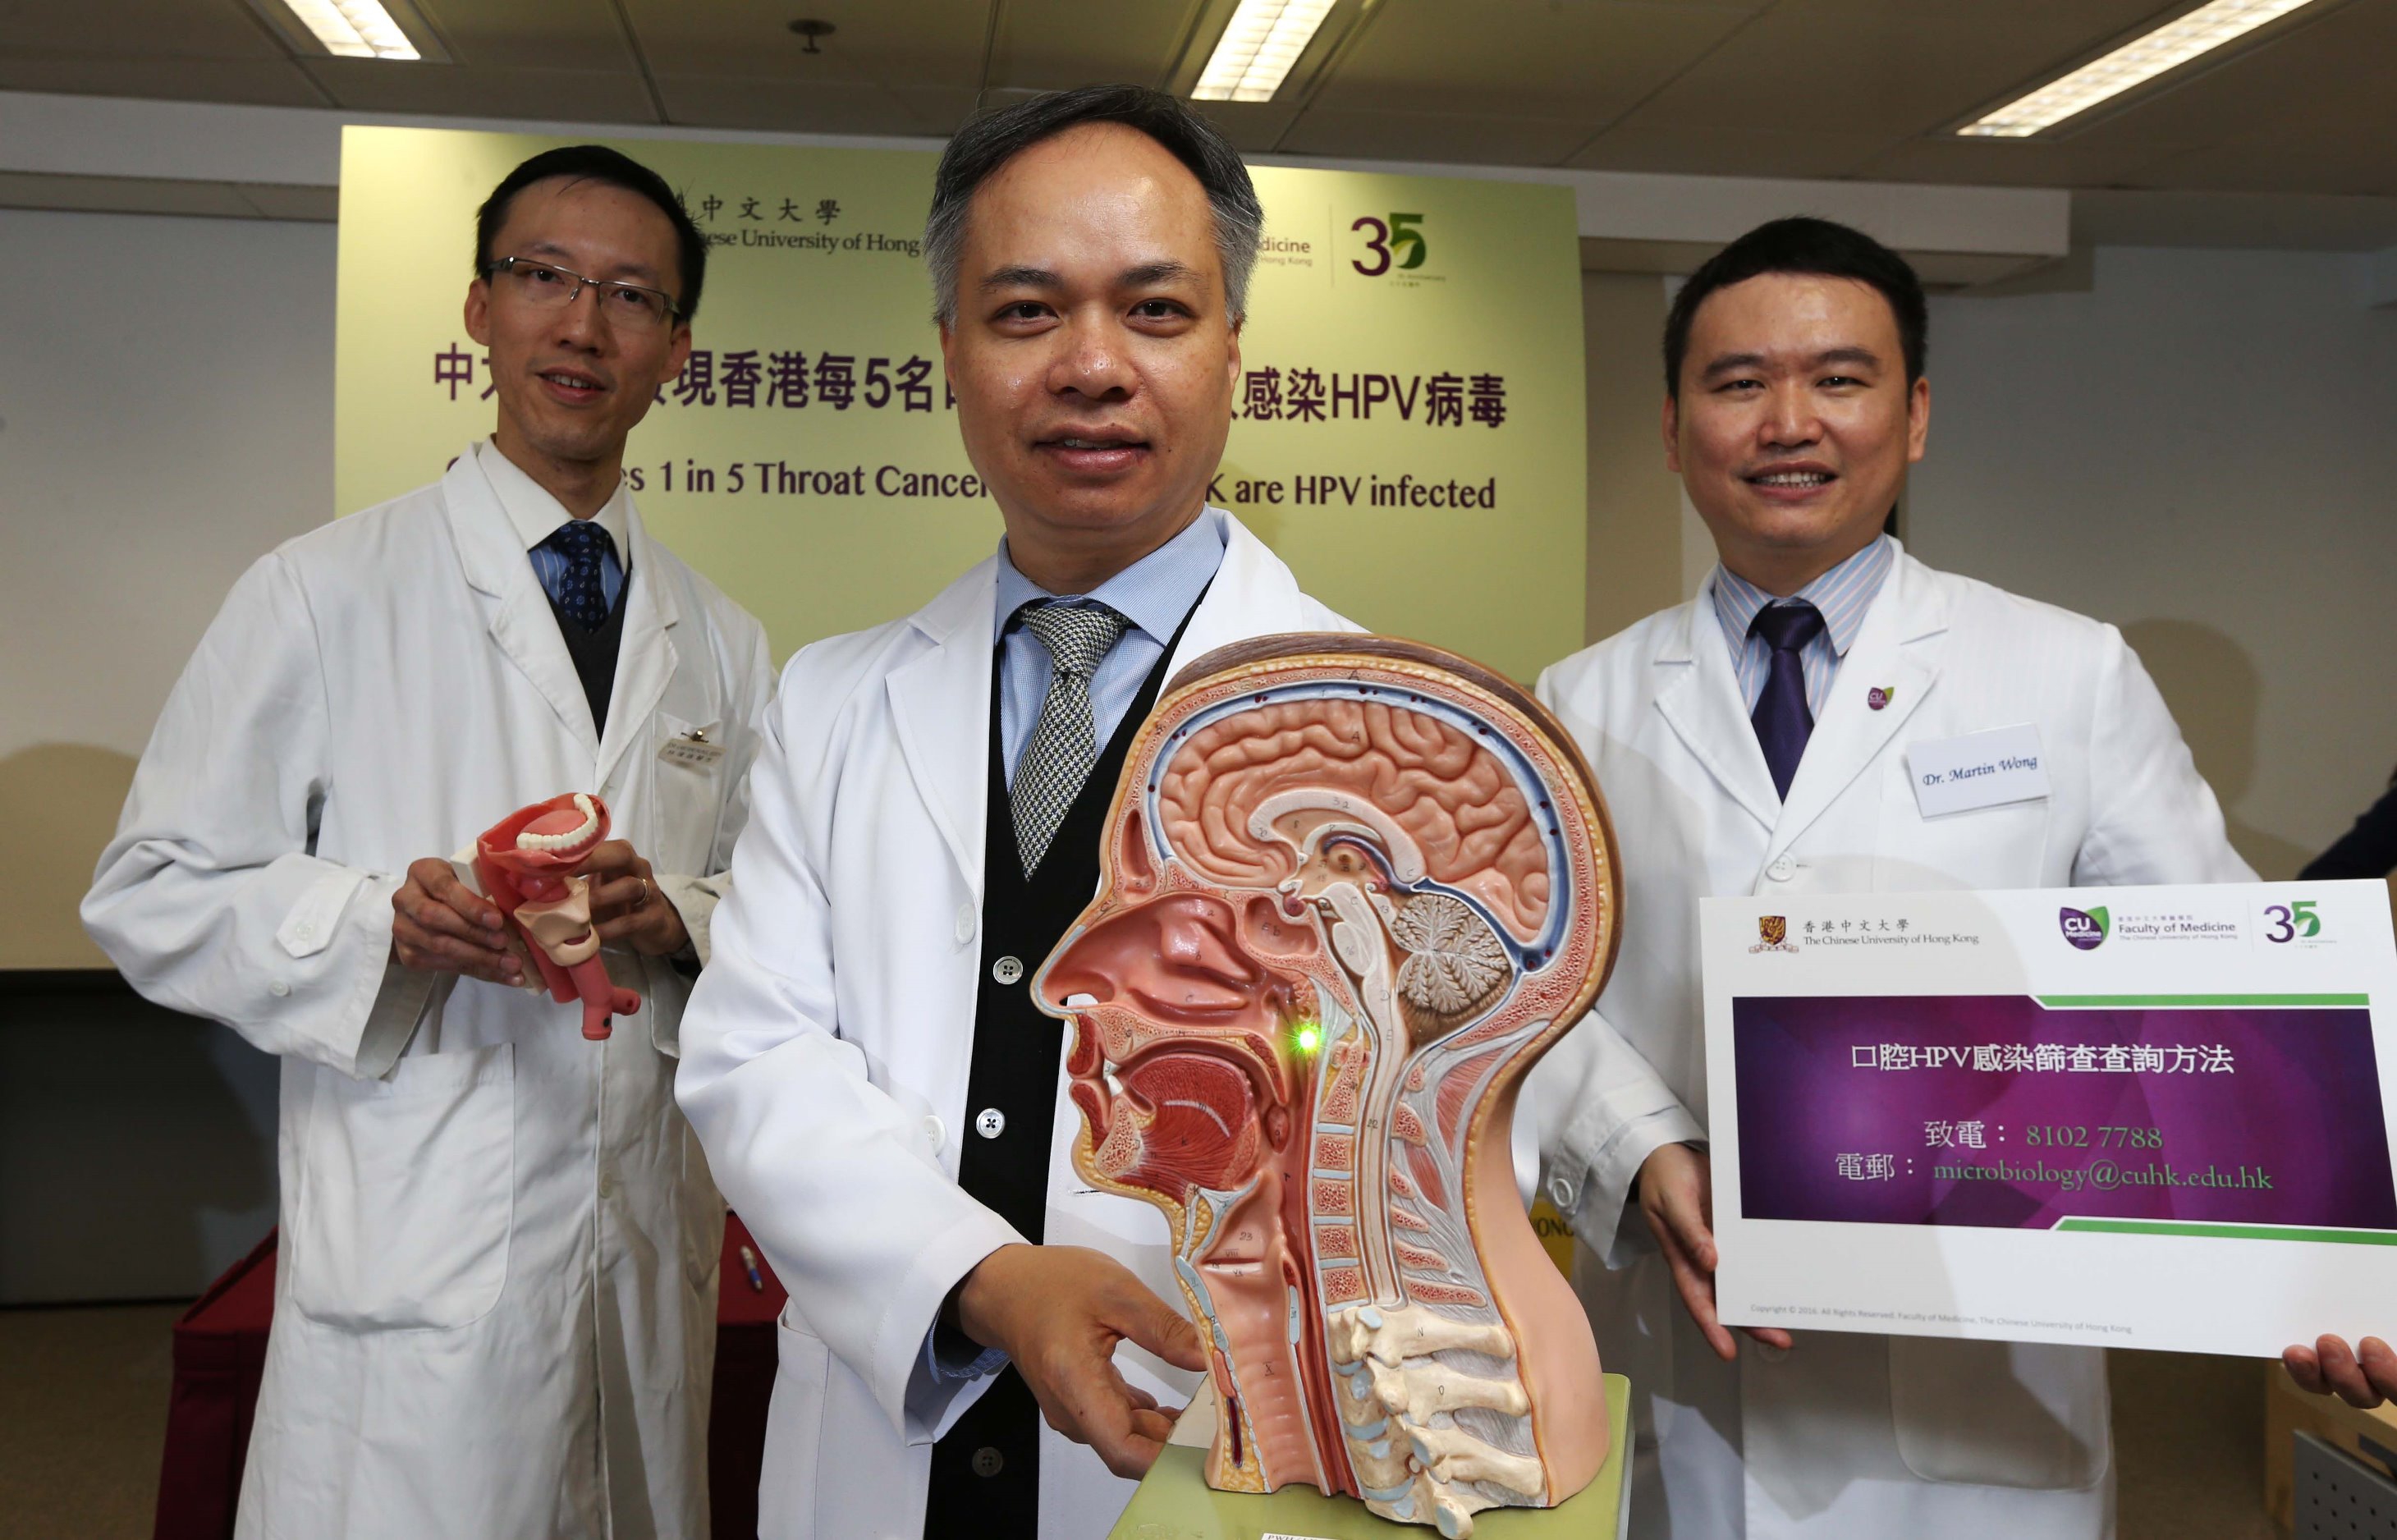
990,142
614,167
1804,244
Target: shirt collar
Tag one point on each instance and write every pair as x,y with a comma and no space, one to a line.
1841,594
535,514
1154,592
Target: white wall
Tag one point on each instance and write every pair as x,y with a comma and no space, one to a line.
165,417
2202,450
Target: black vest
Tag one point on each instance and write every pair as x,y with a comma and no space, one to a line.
593,650
987,1471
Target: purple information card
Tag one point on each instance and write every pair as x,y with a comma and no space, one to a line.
1997,1110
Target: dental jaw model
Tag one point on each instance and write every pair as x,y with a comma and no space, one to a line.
526,862
1353,888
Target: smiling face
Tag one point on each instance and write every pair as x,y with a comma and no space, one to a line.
1795,422
1093,354
573,379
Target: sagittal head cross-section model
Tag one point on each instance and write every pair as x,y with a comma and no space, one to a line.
1352,888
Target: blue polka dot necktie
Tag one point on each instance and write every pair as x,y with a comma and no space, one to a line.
1781,722
584,545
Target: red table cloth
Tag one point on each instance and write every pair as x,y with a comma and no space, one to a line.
220,1352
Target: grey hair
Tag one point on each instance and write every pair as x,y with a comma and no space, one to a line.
990,142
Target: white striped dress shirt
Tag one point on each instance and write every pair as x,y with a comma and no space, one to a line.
1842,595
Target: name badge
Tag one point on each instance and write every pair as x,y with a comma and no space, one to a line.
694,749
1980,769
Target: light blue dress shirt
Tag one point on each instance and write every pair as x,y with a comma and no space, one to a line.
1154,594
1843,594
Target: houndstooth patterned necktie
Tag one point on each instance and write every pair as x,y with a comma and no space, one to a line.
1064,743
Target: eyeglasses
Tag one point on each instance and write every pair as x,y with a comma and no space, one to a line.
545,286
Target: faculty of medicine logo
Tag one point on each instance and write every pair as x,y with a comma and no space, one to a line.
2084,931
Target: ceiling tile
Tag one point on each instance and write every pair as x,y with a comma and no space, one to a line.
268,83
879,42
1459,138
530,34
1047,45
1585,62
572,96
1875,68
1727,151
137,29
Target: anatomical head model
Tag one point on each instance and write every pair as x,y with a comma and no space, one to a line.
526,862
1353,889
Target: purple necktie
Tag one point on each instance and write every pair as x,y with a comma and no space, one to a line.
1781,719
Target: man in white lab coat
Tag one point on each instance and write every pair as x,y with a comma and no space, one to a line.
495,1293
1753,741
878,1092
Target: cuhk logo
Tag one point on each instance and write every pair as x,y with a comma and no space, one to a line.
2085,931
1773,929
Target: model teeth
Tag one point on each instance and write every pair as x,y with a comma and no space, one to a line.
1081,1002
528,840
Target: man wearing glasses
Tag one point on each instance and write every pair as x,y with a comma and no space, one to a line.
495,1291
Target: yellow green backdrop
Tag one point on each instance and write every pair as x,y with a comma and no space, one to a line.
1402,331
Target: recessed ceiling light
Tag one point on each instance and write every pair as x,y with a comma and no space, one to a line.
2140,60
1260,44
353,29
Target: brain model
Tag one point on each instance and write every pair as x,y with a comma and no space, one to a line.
1353,889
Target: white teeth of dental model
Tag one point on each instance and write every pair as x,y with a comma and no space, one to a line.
571,837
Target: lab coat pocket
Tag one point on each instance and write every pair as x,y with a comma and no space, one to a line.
2000,1413
407,1194
686,778
2003,845
786,1497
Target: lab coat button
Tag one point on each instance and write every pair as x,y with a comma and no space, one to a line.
1782,869
989,1461
965,923
990,1122
934,1130
1007,969
303,932
278,990
1561,1192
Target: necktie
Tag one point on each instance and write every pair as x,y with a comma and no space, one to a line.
1781,719
1065,744
577,589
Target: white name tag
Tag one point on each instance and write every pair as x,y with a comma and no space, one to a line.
1980,769
694,749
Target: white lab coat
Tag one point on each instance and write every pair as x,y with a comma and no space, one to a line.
495,1294
826,1051
1846,1437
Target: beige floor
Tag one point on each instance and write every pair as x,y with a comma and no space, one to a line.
83,1410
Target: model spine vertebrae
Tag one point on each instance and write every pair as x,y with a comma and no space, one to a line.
1353,889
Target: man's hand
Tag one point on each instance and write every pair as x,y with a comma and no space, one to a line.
439,925
2360,1378
1676,1196
626,906
1058,1311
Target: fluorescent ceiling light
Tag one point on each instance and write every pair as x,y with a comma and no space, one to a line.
2141,60
1260,44
353,29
